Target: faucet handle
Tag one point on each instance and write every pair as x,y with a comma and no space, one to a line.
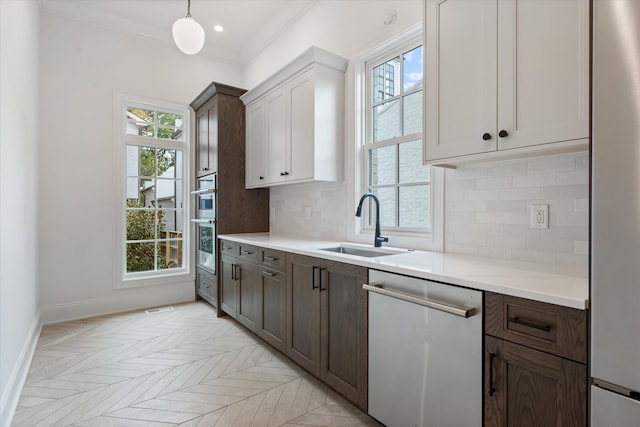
380,240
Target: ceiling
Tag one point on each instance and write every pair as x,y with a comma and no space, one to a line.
249,25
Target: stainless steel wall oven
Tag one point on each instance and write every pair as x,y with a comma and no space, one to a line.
205,222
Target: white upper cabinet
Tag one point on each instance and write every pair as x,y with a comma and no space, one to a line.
295,123
505,79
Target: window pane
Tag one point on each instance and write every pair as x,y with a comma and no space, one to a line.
412,110
414,206
166,163
141,161
169,254
170,223
174,120
386,121
141,224
387,197
410,162
382,166
170,133
140,257
412,63
139,120
386,80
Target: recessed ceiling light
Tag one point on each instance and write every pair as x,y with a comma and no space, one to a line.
218,28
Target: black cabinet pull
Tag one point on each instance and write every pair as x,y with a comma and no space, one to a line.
269,274
486,136
261,177
270,258
545,328
246,252
491,390
313,278
503,133
285,173
321,288
233,272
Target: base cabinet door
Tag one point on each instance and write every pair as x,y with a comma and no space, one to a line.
272,299
327,323
303,312
526,387
247,278
344,330
228,286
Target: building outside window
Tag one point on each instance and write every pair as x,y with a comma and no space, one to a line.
393,142
155,206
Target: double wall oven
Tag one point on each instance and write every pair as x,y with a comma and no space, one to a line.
205,222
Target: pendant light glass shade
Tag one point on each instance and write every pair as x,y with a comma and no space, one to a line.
188,34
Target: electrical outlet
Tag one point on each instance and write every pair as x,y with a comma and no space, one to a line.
539,216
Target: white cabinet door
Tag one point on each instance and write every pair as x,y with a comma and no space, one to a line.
543,71
461,84
276,155
300,147
256,161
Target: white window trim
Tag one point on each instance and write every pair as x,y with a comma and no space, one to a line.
433,241
122,280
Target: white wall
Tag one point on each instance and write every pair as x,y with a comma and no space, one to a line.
19,324
82,68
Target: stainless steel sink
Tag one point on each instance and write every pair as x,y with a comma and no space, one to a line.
368,253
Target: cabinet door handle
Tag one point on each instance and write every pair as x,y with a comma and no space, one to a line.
261,177
270,258
313,278
321,288
269,274
491,390
234,272
503,133
205,286
486,136
246,252
285,173
546,328
205,169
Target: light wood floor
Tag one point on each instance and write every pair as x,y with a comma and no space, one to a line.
183,367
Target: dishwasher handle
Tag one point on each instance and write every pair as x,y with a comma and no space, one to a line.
458,310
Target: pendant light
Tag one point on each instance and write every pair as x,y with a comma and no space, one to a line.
188,34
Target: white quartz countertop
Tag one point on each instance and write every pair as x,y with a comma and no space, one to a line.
559,285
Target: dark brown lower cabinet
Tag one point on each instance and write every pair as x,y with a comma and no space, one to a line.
530,381
272,285
247,279
529,388
327,323
228,286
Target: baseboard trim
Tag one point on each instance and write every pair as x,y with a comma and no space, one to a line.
121,301
11,395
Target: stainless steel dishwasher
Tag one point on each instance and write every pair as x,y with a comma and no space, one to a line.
425,352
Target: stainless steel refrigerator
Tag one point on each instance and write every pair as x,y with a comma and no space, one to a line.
615,215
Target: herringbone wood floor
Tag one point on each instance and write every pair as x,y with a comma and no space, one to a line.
183,367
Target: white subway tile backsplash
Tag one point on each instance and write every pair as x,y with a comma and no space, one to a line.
499,209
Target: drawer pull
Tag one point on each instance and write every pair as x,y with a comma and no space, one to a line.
246,252
545,328
205,286
491,389
270,258
268,273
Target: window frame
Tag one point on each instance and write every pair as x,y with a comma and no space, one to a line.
122,278
431,239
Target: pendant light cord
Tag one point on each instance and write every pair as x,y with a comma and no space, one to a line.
188,9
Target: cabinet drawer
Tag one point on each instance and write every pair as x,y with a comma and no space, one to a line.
228,248
206,283
547,327
248,253
272,259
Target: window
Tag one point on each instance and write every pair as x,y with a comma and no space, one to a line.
154,205
393,142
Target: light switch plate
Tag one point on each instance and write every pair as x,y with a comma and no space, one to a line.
539,216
